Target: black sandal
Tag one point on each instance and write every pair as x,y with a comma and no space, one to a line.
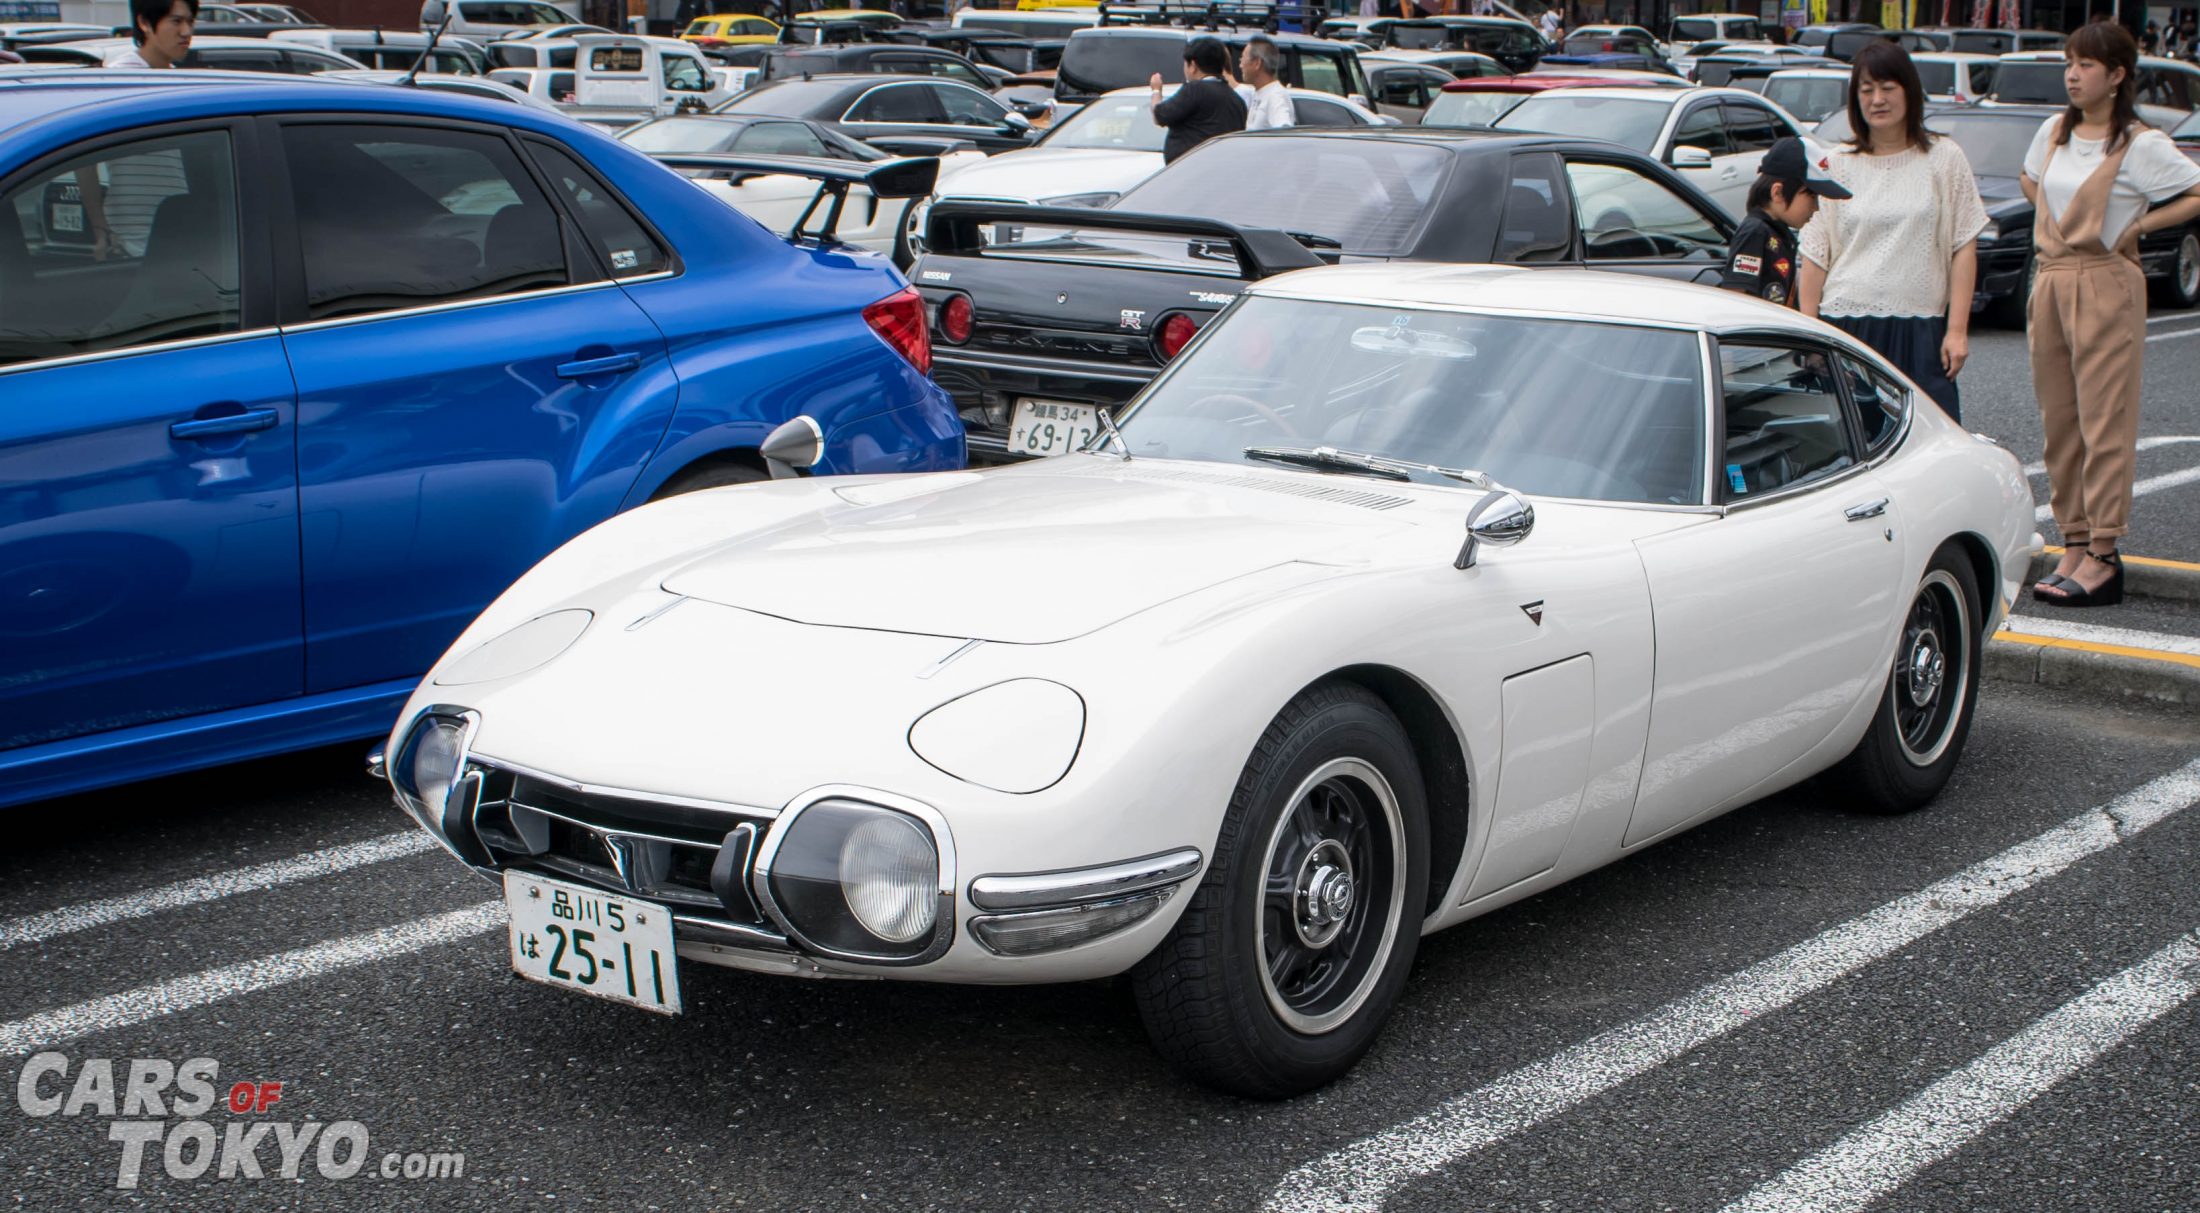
2053,581
2108,593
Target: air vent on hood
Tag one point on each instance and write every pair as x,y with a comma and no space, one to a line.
1360,498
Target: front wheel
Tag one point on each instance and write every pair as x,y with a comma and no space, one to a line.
1299,937
2181,288
1924,713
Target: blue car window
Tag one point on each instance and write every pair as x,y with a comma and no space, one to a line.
128,246
395,217
625,246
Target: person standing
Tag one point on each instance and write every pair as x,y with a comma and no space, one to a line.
1267,102
1204,107
1763,255
2092,173
162,31
1550,23
1896,264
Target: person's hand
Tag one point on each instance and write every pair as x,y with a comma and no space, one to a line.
1155,83
1955,350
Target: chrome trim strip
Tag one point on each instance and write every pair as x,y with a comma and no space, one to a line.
982,360
430,309
659,276
1796,490
943,840
597,789
130,351
603,831
727,934
1713,438
1043,890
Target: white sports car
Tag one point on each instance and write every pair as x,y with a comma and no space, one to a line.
1404,593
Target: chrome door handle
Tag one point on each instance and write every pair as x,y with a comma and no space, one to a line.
1870,509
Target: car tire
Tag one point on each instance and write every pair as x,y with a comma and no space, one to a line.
1273,983
710,476
2180,288
1925,707
908,242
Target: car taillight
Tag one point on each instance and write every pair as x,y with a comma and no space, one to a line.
1176,333
955,319
898,320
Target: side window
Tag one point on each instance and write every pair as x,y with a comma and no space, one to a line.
895,103
1308,112
951,70
127,246
685,75
394,217
1701,127
561,86
1982,78
1783,420
1538,224
1752,128
618,237
239,59
779,139
1322,74
969,107
1879,402
1626,216
1401,87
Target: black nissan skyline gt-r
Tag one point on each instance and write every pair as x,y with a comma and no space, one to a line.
1042,316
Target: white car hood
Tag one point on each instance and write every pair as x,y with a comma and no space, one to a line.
1049,173
1035,556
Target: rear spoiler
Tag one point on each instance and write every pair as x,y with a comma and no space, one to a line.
953,229
908,178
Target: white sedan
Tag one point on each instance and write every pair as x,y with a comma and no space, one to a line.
1715,136
1404,593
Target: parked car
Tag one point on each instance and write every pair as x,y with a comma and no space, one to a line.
1102,60
1996,41
487,21
1516,44
1011,53
1614,40
250,487
468,86
1843,45
910,115
282,12
1956,75
1404,82
880,58
1459,65
1717,70
778,200
823,26
549,84
619,80
1715,136
1482,102
731,29
1315,726
1809,93
1687,31
392,50
1815,37
210,51
2168,89
234,22
1048,315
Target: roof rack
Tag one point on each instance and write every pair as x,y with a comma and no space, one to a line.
1295,16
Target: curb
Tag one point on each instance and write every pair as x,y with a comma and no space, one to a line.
2145,576
2158,677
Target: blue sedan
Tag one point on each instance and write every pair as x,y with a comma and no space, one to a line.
296,377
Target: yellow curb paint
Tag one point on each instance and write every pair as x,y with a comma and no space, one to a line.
2150,561
2087,646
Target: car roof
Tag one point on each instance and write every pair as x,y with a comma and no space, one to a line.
1587,294
155,95
1813,73
1537,82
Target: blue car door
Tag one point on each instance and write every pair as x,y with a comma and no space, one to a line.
473,389
148,488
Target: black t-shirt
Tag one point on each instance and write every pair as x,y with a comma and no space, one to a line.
1763,259
1197,112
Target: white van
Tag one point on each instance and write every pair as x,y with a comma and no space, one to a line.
620,79
393,50
488,20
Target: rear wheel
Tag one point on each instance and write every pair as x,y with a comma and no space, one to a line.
2181,288
710,476
2014,310
1299,937
1925,709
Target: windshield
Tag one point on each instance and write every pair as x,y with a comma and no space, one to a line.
1469,109
513,12
2040,83
1117,123
682,135
792,98
1809,98
1627,121
1557,408
1372,196
1994,146
1982,42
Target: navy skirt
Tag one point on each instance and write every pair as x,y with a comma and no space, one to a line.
1912,343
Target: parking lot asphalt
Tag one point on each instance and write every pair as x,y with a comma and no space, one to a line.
1986,1005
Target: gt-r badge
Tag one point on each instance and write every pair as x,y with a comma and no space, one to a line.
1134,320
1534,611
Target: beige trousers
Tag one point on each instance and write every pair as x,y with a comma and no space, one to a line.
2088,335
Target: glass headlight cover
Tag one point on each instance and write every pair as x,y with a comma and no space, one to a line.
1018,736
857,880
428,764
529,646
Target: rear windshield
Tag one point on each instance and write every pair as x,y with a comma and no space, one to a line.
1469,109
1809,98
1983,42
1627,121
1994,146
2041,83
1938,76
794,98
1100,65
1371,196
1116,123
691,135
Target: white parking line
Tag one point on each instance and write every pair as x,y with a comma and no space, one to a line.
37,927
2172,336
2145,444
213,985
2152,484
1360,1175
2130,638
1883,1155
2167,317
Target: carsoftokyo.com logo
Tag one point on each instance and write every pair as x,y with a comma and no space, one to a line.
159,1108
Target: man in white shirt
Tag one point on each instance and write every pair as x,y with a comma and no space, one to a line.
1550,22
1267,102
163,33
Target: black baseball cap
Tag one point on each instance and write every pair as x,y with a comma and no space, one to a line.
1795,163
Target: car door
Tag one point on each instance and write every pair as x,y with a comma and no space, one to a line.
688,84
1774,622
903,108
1700,125
473,391
148,482
1634,223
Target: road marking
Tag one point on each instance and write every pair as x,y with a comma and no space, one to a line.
2145,444
1885,1154
2152,484
2087,646
1360,1175
2167,317
2174,336
2098,636
213,985
68,919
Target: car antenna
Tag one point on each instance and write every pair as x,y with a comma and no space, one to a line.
427,53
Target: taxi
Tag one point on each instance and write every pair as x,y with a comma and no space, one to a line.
731,29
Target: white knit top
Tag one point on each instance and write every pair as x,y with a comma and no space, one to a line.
1887,251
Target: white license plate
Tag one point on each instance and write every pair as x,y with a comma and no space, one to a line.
588,940
68,218
1051,427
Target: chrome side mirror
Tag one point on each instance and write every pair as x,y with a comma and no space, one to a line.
793,448
1501,519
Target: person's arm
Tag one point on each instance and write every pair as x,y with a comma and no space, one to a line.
1810,287
2175,213
1168,111
2030,187
1955,348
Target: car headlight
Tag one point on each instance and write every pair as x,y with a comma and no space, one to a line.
429,765
1102,198
857,880
1018,736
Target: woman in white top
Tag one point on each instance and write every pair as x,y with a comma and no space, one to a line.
1895,265
2092,174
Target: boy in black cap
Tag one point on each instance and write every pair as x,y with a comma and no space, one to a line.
1784,197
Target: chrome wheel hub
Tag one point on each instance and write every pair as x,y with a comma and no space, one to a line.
2188,265
1928,668
1325,892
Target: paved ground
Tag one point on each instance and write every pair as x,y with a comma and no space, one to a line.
1794,1007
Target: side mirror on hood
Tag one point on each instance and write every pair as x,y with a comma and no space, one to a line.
1501,519
794,448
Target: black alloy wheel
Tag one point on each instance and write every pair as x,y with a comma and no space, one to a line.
2180,288
1915,738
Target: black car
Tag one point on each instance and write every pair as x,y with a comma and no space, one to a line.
1816,36
1516,44
879,58
989,47
891,111
1995,139
1719,70
1102,59
1843,44
1045,310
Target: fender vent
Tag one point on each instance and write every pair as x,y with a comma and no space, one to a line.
1359,498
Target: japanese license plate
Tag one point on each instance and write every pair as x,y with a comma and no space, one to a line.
591,941
68,217
1051,427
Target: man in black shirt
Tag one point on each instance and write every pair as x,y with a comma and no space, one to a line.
1205,107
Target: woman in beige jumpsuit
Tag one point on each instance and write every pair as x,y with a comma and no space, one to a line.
2091,174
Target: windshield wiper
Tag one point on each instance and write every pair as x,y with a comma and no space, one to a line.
1330,458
